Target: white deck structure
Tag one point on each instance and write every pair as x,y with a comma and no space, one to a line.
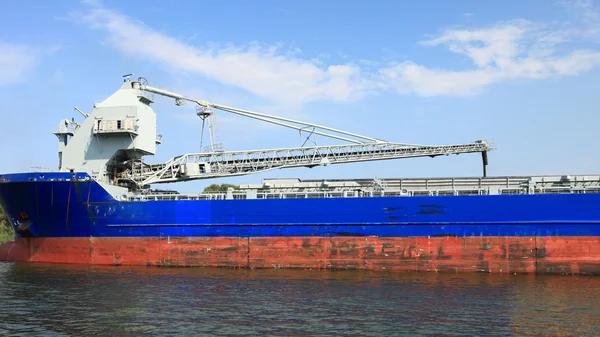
408,187
119,132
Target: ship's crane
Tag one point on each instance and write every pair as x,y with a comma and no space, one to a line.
217,163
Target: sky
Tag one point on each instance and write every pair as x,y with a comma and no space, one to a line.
520,74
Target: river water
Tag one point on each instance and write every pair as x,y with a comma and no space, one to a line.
71,300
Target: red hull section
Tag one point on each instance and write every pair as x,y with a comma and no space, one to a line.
556,255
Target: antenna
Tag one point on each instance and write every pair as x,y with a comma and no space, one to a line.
127,77
82,113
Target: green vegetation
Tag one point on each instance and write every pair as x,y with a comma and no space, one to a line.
6,231
216,188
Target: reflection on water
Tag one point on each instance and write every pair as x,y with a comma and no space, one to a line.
61,300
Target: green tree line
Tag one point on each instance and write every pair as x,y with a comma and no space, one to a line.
6,231
216,188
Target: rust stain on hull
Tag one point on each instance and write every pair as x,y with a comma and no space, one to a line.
497,255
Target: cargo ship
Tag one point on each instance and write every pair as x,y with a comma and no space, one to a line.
102,206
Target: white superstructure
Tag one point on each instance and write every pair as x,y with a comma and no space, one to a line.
119,129
115,136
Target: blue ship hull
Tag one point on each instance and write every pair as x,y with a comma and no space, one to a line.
58,205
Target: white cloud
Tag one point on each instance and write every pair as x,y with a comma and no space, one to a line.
408,77
15,62
264,71
506,51
587,14
496,45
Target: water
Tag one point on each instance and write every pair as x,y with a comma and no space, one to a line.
65,300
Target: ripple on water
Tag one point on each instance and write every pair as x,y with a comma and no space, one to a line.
57,300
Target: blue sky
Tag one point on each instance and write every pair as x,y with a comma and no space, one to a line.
523,74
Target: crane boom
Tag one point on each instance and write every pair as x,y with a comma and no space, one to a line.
215,164
235,163
282,121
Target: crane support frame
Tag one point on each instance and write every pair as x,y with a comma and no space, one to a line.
235,163
218,164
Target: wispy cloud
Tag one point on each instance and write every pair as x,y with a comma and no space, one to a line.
502,52
284,10
587,15
15,62
266,71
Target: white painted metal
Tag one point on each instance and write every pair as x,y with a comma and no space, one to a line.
406,187
221,164
114,137
286,122
121,128
212,165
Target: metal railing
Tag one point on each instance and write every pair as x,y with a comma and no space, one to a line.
356,194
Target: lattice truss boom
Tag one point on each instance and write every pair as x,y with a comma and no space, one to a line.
215,163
